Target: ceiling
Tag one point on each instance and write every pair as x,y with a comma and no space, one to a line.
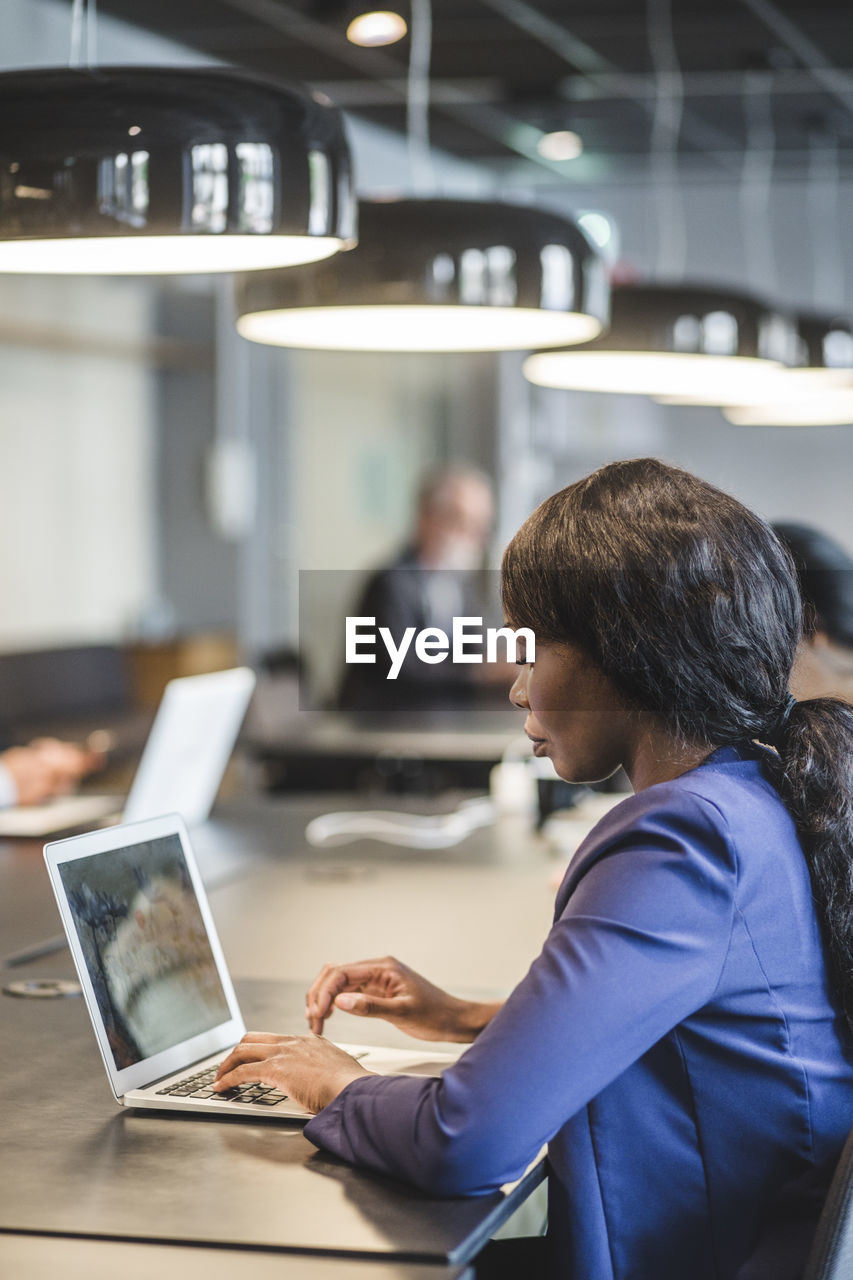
765,79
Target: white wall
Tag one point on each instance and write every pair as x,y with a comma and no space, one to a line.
76,493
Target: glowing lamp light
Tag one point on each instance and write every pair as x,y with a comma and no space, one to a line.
824,409
563,144
378,27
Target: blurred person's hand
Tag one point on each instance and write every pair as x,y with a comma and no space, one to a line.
389,989
48,767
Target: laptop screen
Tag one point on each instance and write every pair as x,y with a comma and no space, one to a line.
145,946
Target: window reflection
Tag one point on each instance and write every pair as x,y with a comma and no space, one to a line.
500,267
318,173
687,334
838,349
558,280
487,276
442,273
123,187
720,333
777,341
472,277
209,166
256,191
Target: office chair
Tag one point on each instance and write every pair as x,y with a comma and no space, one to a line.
831,1255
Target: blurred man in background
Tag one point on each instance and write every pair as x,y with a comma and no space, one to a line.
439,575
824,666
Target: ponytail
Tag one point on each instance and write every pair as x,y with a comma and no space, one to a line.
815,746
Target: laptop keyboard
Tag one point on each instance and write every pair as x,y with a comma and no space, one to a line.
201,1086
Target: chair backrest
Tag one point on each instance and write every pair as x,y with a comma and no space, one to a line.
831,1256
48,686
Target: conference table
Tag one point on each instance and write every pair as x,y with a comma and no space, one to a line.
110,1190
427,749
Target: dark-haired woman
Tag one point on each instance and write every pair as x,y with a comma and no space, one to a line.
824,665
683,1041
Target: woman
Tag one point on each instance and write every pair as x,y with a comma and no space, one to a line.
683,1041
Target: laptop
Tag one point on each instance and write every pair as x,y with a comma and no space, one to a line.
181,767
154,977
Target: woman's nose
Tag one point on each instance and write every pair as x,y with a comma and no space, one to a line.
518,692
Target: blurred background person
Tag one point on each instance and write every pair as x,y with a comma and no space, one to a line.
824,666
439,575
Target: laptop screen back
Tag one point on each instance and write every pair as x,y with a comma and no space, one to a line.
145,948
189,745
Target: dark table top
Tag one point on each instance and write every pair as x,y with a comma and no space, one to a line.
79,1165
473,735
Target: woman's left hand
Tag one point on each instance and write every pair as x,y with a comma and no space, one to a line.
310,1070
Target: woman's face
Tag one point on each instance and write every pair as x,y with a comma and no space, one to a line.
574,715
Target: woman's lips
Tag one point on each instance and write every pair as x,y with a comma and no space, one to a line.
539,744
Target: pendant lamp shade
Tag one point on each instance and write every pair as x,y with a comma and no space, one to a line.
823,361
674,340
162,169
437,275
825,346
817,392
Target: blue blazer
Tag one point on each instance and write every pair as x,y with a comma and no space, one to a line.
675,1043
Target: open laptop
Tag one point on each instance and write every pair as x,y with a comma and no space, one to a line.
154,977
181,767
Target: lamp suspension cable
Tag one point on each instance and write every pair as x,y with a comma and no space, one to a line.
418,99
828,274
663,148
756,183
78,15
84,21
92,33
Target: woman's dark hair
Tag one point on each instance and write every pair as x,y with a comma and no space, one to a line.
825,574
689,604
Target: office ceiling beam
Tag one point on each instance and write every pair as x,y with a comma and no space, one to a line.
837,83
579,55
492,122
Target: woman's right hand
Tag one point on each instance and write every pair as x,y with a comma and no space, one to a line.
389,989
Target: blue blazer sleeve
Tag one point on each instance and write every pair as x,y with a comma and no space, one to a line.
639,943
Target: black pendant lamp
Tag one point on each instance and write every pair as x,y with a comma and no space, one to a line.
675,341
437,275
161,169
818,391
822,362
